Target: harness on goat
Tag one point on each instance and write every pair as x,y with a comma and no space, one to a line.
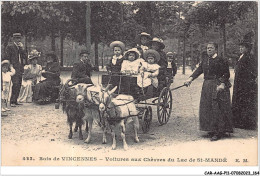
117,117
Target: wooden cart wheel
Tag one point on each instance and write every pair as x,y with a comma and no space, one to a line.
164,106
147,119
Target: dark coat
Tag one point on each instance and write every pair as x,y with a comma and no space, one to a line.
115,68
82,72
174,68
163,59
244,100
215,109
46,88
12,54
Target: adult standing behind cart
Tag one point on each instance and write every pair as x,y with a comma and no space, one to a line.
82,70
158,45
142,42
215,114
244,100
16,54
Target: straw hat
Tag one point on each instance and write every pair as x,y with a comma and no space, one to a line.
119,44
169,54
17,35
159,41
34,54
5,62
83,52
152,53
134,50
145,34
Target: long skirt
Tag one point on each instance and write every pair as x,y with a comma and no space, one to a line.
244,107
44,89
25,95
215,113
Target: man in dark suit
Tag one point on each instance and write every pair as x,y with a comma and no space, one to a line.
17,56
82,70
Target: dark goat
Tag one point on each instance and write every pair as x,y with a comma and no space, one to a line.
73,110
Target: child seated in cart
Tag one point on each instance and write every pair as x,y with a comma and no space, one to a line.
131,66
132,62
149,70
114,66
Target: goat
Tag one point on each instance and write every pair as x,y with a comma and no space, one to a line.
87,99
73,110
115,109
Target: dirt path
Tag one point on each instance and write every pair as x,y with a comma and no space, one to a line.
41,131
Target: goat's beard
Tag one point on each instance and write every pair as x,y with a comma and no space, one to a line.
81,106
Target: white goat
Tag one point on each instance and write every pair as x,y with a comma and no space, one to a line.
118,110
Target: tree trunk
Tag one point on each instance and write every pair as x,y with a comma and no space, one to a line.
192,57
178,50
122,21
184,55
149,27
61,49
223,30
88,37
52,41
96,53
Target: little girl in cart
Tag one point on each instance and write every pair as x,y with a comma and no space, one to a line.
132,64
149,70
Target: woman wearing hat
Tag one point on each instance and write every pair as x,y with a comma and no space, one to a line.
114,66
45,91
244,100
32,75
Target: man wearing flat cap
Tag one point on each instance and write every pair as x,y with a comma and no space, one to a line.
82,70
16,54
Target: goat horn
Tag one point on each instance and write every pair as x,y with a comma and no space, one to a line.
108,86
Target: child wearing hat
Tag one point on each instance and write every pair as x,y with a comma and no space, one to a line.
171,68
7,72
114,66
133,63
149,70
158,45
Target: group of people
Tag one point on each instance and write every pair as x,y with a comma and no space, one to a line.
217,115
21,76
151,65
147,61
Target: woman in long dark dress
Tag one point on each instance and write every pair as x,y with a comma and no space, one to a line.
244,100
43,91
215,114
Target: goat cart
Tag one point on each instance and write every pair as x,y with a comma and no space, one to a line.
127,84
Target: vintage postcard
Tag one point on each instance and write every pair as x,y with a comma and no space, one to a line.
129,83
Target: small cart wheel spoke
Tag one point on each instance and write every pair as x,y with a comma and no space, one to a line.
164,106
146,119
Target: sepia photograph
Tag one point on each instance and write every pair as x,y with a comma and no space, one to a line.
129,83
